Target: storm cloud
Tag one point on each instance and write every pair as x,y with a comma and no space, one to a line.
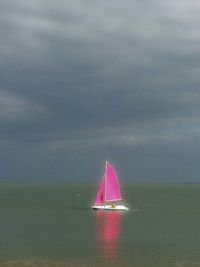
86,81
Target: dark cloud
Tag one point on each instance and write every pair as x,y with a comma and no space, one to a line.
82,82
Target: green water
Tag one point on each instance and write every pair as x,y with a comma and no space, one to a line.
53,225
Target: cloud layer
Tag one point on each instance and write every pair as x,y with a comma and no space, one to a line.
82,82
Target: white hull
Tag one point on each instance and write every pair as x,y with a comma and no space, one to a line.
109,207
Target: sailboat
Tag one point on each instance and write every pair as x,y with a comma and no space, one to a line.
109,191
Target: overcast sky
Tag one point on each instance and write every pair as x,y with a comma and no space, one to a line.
82,82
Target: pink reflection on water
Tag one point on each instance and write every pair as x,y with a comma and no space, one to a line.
108,233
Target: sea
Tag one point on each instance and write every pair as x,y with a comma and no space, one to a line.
52,224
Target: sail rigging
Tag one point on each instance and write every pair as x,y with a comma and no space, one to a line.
109,189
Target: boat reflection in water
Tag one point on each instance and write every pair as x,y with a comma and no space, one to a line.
108,233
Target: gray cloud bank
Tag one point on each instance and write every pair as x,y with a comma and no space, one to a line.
86,81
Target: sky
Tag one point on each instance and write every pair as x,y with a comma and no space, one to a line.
82,82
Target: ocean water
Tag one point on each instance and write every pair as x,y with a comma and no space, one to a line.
53,225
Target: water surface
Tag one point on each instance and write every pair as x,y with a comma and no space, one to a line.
53,225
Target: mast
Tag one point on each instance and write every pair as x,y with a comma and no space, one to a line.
104,193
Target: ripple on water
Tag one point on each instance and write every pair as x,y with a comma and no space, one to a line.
40,264
187,264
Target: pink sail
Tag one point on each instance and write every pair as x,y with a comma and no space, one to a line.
109,188
112,190
100,195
